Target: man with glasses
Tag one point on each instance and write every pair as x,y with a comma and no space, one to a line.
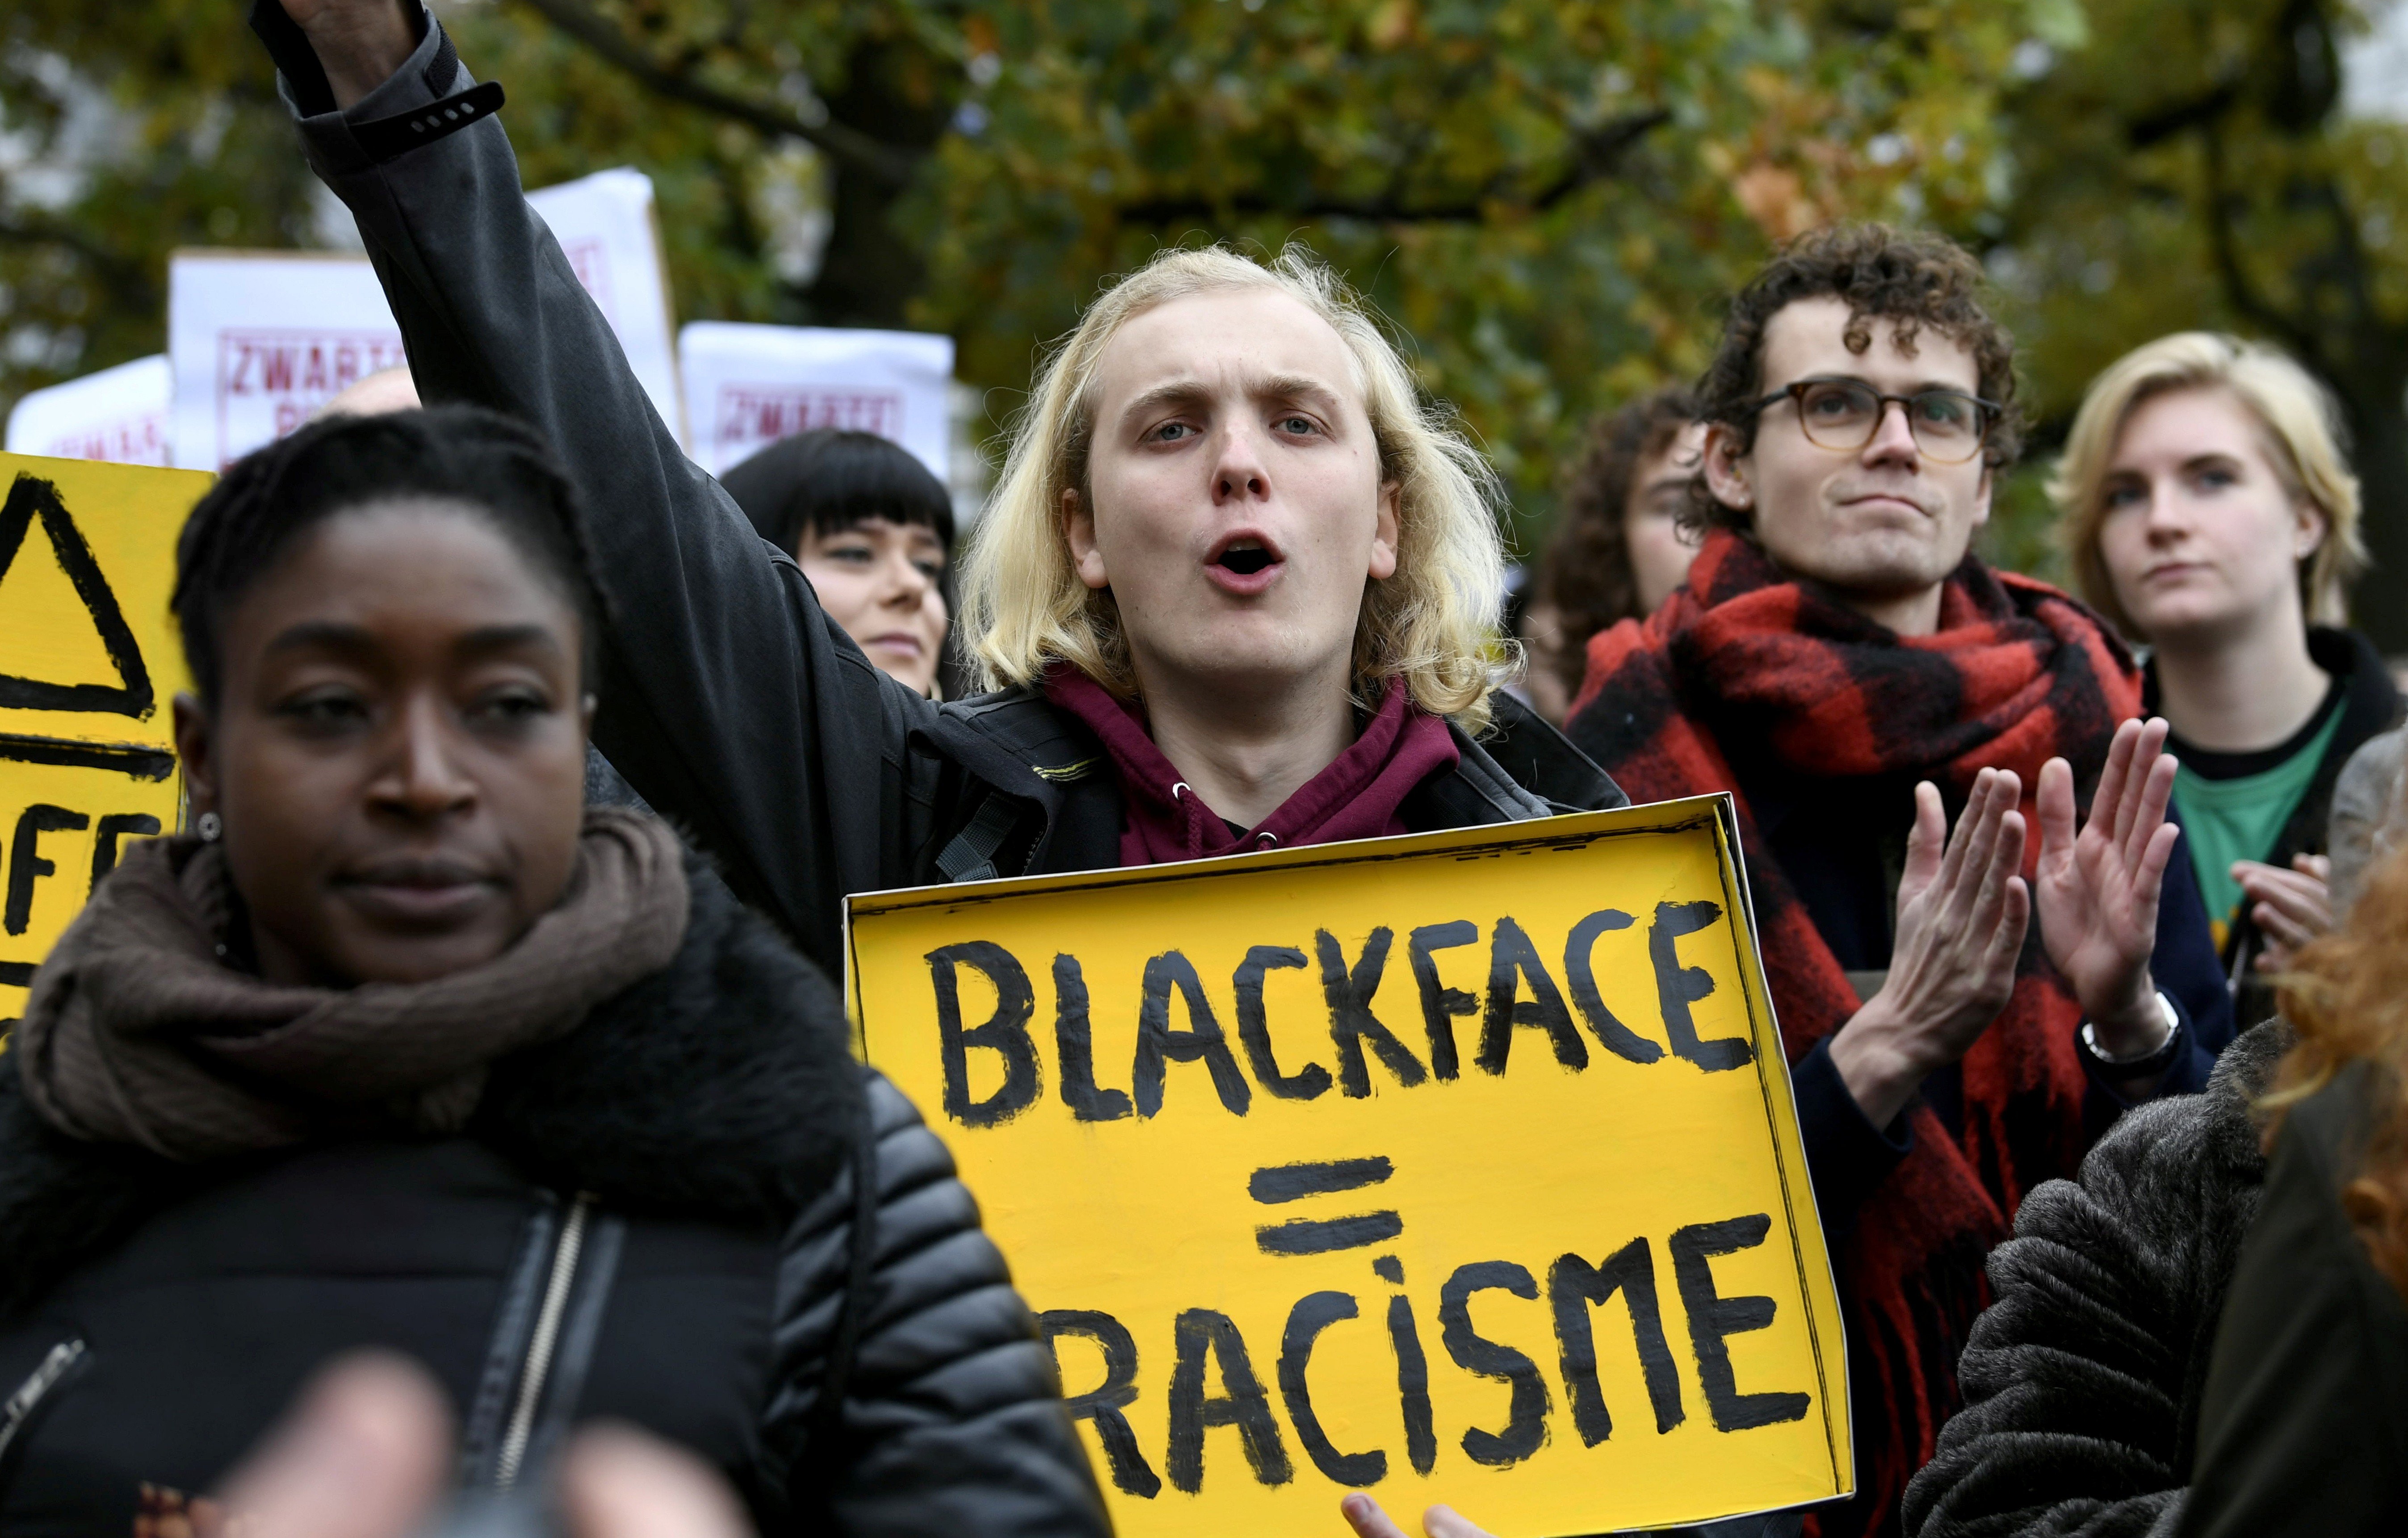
1842,662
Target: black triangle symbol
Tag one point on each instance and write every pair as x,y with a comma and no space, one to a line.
30,498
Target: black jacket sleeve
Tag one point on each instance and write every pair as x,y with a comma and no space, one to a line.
1846,1155
952,1420
729,699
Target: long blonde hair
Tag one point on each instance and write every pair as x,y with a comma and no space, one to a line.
2303,436
1432,624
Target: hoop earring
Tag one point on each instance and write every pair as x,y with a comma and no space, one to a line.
209,825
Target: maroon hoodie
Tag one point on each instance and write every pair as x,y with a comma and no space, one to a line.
1357,797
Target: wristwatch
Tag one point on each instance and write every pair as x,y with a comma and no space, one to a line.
2155,1061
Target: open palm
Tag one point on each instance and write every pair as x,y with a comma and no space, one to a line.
2097,890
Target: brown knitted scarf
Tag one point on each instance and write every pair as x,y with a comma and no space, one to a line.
139,1032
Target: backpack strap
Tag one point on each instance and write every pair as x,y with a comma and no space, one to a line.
970,856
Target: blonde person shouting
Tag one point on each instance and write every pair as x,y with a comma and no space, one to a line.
1235,591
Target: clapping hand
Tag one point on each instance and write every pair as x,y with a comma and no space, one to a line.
1962,911
2099,889
2291,907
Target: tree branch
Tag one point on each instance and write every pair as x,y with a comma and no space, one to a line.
613,46
1596,155
2240,290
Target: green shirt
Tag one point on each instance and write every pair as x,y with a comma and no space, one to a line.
2240,819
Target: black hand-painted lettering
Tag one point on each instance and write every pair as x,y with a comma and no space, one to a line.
1005,1031
1512,959
1713,1318
1103,1405
1074,1044
1324,1236
114,827
1199,1333
1157,1043
1276,1182
26,865
1389,1268
1412,1385
1526,1423
1305,1322
1441,1005
30,498
1573,1286
156,765
1351,1020
1580,971
1678,986
1255,1032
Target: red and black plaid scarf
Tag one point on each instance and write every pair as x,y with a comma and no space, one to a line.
1745,665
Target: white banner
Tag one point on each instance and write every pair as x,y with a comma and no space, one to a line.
259,340
747,386
118,414
606,228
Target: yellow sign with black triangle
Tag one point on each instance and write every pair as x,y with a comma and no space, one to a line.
89,663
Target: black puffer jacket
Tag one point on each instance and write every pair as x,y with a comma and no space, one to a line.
698,1135
2082,1381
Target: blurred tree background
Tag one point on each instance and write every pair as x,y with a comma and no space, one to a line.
1549,196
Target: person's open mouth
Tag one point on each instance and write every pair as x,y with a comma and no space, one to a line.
1244,563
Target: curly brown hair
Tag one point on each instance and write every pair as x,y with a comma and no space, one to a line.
1585,574
2348,997
1911,276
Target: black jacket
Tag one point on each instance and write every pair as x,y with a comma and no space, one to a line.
2304,1425
2370,704
699,1133
730,701
2083,1379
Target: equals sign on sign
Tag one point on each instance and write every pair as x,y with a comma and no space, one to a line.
1281,1183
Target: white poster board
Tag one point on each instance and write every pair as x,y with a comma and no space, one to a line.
747,386
260,339
606,228
117,414
257,341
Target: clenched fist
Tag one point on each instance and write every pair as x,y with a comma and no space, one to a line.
359,43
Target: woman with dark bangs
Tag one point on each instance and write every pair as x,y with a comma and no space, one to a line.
872,529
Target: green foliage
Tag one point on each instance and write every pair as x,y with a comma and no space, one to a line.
2218,187
1547,195
178,139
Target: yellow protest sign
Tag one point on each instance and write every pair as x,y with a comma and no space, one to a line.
89,663
1459,1168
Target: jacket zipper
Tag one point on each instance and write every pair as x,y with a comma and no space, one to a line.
18,1411
541,1345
